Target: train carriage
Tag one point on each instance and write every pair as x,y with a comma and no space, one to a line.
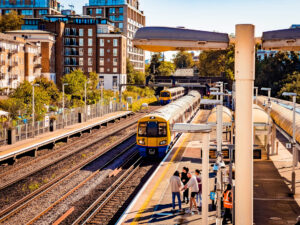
169,95
154,136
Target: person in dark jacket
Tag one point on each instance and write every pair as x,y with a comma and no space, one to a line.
185,179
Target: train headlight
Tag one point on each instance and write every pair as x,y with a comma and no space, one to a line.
163,142
141,142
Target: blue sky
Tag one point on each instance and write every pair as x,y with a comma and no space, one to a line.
216,15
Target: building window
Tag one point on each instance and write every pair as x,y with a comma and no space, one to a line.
121,25
80,61
43,12
81,51
90,69
121,10
115,61
90,32
115,42
67,70
74,31
115,69
27,12
90,61
115,81
101,69
90,52
67,41
115,52
108,50
80,41
98,11
67,61
90,42
67,51
101,61
81,32
112,10
101,51
67,31
102,42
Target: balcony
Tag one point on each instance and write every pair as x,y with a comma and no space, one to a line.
71,43
2,76
2,63
10,68
71,33
72,53
38,66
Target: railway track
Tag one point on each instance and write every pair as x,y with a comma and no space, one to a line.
29,203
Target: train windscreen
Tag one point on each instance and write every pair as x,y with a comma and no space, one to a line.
164,94
152,129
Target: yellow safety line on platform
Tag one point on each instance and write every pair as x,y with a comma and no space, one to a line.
144,206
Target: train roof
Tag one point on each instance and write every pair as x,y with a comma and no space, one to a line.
174,89
171,110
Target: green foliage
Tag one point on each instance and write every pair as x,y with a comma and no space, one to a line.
291,84
50,88
136,106
155,63
134,76
11,21
183,60
166,68
216,63
130,72
12,105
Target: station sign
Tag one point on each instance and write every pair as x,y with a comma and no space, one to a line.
226,156
47,121
288,145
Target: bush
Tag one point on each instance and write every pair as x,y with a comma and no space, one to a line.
136,106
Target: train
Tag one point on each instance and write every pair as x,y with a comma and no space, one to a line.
170,95
154,134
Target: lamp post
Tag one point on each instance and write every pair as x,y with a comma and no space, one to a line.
33,109
256,94
205,129
269,111
295,153
85,99
63,103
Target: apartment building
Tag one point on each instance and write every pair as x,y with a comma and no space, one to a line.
47,42
126,17
30,8
19,61
88,43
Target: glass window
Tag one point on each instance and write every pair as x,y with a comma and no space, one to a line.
80,41
90,52
115,61
27,12
98,11
101,51
81,51
90,69
121,10
152,129
67,70
115,42
162,129
43,12
101,69
112,10
108,41
121,25
90,61
101,61
90,42
90,32
101,42
115,69
142,131
67,31
81,32
80,61
67,41
73,31
115,52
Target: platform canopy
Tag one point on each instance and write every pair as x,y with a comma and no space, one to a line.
260,117
227,115
287,39
160,39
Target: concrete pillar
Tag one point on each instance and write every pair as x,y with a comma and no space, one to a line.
273,138
244,76
205,178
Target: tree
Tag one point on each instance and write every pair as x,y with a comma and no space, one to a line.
76,81
166,68
93,93
155,62
291,84
134,76
183,60
130,72
11,21
51,89
14,106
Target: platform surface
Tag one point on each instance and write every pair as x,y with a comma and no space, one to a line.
272,201
21,146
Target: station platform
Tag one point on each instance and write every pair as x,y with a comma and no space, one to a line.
273,203
21,147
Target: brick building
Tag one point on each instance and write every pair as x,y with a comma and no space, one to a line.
87,43
30,8
47,41
127,17
19,60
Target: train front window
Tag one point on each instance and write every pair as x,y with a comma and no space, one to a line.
165,94
152,129
142,131
162,129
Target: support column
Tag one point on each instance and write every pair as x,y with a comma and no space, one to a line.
273,138
244,76
205,178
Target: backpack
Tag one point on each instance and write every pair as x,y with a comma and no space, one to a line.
199,184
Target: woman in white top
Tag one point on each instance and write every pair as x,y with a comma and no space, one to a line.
193,184
176,184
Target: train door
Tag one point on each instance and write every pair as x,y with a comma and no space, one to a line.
152,133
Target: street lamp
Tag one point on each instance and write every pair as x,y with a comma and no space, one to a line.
269,110
85,99
63,103
295,153
33,110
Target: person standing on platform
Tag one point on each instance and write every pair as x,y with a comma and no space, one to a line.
185,180
198,198
176,185
193,184
227,201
